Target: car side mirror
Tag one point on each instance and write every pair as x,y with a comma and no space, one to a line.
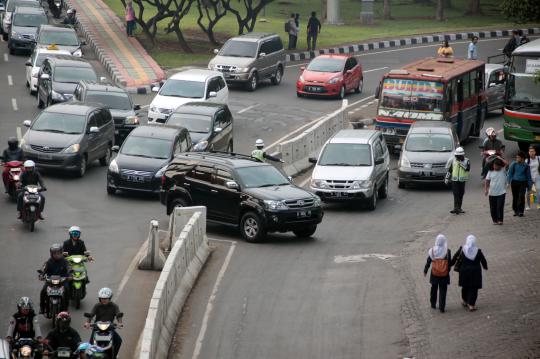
94,129
302,68
212,94
45,77
216,51
217,129
87,315
379,161
262,54
155,89
115,148
27,123
102,79
28,63
231,185
312,160
290,178
136,107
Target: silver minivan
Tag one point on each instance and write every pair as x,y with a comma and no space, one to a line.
425,153
251,58
495,86
352,165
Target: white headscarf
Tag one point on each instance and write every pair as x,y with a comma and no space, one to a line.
470,249
440,249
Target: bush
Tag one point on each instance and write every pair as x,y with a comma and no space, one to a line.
521,11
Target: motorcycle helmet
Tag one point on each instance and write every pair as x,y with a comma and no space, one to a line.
105,293
82,347
13,143
24,303
491,131
74,232
29,164
70,11
63,320
459,152
56,249
259,143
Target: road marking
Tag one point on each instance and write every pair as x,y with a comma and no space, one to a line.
10,80
131,268
19,133
145,106
305,182
501,130
14,104
6,57
248,108
210,304
362,257
379,69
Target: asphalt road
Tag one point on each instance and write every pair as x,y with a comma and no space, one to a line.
295,295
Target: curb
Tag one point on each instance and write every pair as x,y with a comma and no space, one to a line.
424,39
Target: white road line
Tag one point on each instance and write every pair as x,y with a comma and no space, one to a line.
10,80
305,182
378,69
501,130
6,57
210,304
248,108
19,133
145,106
131,268
14,104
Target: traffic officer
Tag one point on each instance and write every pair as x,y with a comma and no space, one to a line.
260,155
458,173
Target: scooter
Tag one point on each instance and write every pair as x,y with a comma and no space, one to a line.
56,298
31,208
14,169
61,352
25,348
102,335
78,283
56,8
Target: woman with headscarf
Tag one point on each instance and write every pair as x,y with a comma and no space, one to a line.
439,260
470,272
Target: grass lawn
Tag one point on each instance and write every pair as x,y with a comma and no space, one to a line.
408,19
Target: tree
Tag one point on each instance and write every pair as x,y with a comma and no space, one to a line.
246,12
210,12
537,77
386,10
439,16
521,11
181,9
474,8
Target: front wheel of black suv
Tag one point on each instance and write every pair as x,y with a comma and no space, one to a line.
305,232
252,227
177,202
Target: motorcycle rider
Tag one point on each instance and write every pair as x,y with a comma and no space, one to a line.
24,323
74,246
106,311
70,18
491,143
63,335
260,155
55,265
31,176
11,153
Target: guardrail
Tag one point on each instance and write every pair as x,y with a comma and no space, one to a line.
190,249
296,151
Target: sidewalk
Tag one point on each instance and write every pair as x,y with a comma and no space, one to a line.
125,59
507,323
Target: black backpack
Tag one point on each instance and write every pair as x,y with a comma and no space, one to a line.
287,26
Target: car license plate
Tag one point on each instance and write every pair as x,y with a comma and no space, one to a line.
303,214
44,156
135,178
314,89
336,194
63,354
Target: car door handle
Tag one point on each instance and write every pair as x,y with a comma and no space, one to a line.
187,184
214,191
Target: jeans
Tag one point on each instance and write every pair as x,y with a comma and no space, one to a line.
117,341
518,196
311,40
292,41
496,206
458,189
469,295
528,195
442,295
130,26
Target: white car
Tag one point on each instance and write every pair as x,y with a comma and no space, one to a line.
34,63
187,86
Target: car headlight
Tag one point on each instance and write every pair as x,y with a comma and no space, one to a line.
301,78
335,80
241,69
131,120
113,167
275,205
361,184
57,96
15,35
315,183
153,108
161,171
317,201
201,146
77,53
405,162
74,148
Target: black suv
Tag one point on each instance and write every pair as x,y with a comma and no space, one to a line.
240,191
117,100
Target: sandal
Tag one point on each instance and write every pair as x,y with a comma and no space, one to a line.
472,309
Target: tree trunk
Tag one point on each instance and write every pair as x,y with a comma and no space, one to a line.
448,4
440,10
323,10
386,10
474,8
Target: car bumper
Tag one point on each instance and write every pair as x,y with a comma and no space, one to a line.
421,175
154,116
21,44
236,77
316,89
337,195
61,161
121,182
290,220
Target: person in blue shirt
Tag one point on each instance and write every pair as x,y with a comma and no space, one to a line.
519,177
472,51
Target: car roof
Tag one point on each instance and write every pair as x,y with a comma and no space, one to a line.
56,28
69,61
333,56
235,160
491,67
254,36
353,136
29,10
162,132
98,86
431,126
195,75
76,108
200,108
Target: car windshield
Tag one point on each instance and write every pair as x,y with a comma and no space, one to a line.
325,64
345,154
147,147
49,121
406,95
112,100
193,123
235,48
261,176
13,4
429,142
523,94
74,74
61,38
183,88
29,20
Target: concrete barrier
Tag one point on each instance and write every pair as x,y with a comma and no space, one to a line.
190,249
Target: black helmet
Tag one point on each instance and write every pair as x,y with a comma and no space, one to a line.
63,320
13,143
56,248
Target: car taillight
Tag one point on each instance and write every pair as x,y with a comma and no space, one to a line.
163,180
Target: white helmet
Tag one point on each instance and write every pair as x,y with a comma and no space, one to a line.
74,228
29,163
259,143
70,11
490,131
459,152
105,293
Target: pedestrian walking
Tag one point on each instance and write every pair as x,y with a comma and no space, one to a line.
472,51
513,42
313,31
439,257
293,32
467,262
445,50
495,186
534,166
519,177
130,19
458,169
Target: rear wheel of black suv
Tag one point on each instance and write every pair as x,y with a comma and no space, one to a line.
305,232
252,227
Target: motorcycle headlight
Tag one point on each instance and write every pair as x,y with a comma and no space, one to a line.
335,80
113,167
57,96
55,281
103,326
131,120
74,148
201,146
16,177
275,205
405,162
315,183
77,53
76,260
26,351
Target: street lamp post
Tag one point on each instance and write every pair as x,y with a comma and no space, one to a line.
332,12
366,16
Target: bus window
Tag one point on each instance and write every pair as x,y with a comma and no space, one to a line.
412,95
466,87
473,83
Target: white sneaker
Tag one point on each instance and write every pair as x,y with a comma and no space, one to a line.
538,206
527,208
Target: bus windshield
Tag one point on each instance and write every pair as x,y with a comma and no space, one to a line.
401,96
523,93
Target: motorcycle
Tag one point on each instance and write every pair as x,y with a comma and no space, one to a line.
14,169
78,282
56,8
31,208
102,334
26,348
61,352
56,298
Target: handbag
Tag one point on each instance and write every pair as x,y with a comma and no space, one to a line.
459,261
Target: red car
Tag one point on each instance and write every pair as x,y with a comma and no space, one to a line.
330,75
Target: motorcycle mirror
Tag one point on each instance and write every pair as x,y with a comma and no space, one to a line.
87,315
39,271
120,315
65,254
87,253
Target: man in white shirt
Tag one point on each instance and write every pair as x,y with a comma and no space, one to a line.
472,51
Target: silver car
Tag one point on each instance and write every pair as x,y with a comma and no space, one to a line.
251,58
426,151
495,84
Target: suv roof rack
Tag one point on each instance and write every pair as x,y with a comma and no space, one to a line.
221,155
